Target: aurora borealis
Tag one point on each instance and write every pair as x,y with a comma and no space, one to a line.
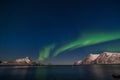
45,52
58,32
89,39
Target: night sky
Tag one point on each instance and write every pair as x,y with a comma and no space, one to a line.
60,31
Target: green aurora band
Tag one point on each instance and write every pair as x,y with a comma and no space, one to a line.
88,39
45,52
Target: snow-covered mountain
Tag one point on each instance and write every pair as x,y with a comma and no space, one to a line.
103,58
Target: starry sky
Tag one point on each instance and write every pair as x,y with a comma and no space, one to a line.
58,31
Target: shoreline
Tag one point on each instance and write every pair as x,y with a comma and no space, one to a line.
57,65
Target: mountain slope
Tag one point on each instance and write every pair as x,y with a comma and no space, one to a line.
103,58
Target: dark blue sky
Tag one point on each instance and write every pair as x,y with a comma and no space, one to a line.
28,26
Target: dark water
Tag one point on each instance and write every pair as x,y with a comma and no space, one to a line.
91,72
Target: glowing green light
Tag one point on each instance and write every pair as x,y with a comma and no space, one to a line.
45,52
89,39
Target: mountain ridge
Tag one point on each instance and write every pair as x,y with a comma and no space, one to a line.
102,58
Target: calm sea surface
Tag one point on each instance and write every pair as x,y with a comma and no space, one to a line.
83,72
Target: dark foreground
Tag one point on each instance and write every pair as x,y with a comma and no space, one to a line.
83,72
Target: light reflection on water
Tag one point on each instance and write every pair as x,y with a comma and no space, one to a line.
104,72
97,71
41,73
86,72
21,73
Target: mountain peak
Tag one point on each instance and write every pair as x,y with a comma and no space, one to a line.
103,58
